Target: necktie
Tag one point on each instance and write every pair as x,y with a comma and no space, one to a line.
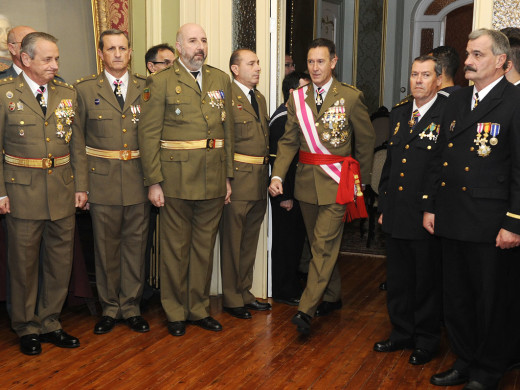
415,118
319,98
39,97
476,100
195,75
254,103
118,93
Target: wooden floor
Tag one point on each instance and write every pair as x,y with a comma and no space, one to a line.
263,353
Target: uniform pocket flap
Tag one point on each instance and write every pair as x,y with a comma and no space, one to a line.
175,155
490,193
98,166
100,114
21,120
20,176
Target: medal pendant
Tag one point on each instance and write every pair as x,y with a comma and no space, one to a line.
493,141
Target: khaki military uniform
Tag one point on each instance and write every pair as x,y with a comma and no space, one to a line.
42,200
317,191
118,198
192,177
242,218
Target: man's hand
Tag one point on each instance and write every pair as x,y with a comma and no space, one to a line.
429,222
5,207
287,204
276,187
380,219
156,195
507,239
227,200
81,199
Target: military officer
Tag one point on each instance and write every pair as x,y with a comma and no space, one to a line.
45,179
110,106
159,57
322,119
243,216
476,211
186,142
413,264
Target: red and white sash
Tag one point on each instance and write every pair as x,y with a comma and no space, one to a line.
306,119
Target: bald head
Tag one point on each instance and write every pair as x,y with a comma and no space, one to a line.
192,45
14,40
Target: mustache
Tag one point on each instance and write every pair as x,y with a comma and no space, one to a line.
467,67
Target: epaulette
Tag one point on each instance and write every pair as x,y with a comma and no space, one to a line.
63,84
443,93
350,86
6,80
86,78
160,71
404,101
140,76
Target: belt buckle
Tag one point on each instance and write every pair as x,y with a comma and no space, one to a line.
210,143
124,155
48,162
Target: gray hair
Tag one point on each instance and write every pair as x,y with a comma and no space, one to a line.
30,40
112,31
437,64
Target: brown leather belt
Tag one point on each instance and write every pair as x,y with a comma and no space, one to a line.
43,163
195,144
113,154
244,158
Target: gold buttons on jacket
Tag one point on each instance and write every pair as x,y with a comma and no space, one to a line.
471,149
450,145
445,164
403,161
92,169
407,147
49,171
49,155
48,139
401,174
464,188
443,184
22,122
429,147
466,169
123,116
124,130
400,188
125,146
100,116
46,123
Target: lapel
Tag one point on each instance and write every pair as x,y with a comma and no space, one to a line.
187,79
332,96
243,100
309,100
54,99
468,118
106,92
132,92
27,97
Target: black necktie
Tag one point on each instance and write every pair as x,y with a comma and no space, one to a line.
41,100
254,103
119,93
195,75
319,98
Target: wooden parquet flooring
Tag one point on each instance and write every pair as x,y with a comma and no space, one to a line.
262,353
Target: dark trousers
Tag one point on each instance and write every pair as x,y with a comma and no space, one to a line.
475,305
288,237
413,296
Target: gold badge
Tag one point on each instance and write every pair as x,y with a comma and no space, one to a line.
397,128
9,94
452,126
178,89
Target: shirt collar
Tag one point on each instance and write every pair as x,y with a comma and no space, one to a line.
189,71
17,69
325,87
484,91
111,79
33,85
425,107
244,89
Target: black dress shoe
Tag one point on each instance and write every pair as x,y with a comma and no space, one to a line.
420,356
288,301
302,322
325,308
104,325
391,346
474,385
238,312
60,339
208,323
30,344
451,377
138,324
259,306
177,328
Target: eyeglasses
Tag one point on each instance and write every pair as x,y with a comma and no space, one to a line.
166,62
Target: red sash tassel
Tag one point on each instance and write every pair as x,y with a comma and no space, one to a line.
349,188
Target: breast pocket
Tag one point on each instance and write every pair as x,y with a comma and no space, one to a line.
244,127
22,129
99,122
177,107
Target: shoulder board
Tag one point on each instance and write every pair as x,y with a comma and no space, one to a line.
160,71
6,80
62,84
140,76
404,101
87,78
443,93
350,86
